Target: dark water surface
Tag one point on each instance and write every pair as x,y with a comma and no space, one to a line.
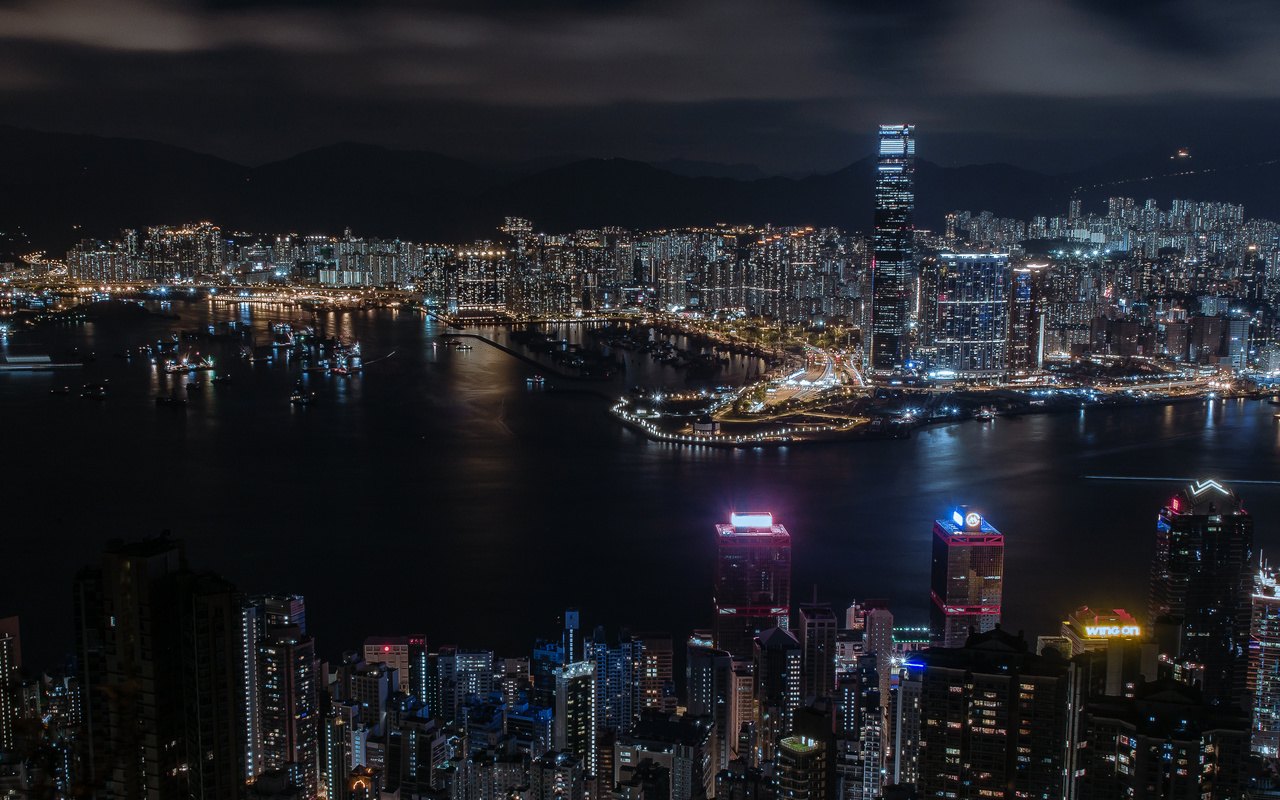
438,493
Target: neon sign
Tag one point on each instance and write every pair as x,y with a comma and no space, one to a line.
1100,631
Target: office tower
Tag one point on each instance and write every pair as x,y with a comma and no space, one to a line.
1264,663
742,719
10,663
259,615
966,578
752,581
994,720
571,641
818,642
655,672
404,653
778,661
159,648
709,679
1202,576
1165,742
891,267
289,706
1029,317
576,725
683,745
802,769
972,329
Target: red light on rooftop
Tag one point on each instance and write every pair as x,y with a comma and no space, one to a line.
386,648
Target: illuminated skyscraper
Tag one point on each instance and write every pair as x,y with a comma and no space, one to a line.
10,661
892,243
778,659
576,722
753,580
1028,318
1264,662
972,330
1202,577
818,640
967,577
289,703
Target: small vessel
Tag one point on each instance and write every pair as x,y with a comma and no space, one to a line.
536,380
222,379
464,347
60,390
985,415
94,392
301,396
171,402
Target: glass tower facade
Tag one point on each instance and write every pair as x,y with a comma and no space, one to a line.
1203,577
891,266
973,314
967,579
753,581
1264,663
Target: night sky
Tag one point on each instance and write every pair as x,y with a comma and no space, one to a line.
790,85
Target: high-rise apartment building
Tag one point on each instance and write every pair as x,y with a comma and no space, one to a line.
778,666
1202,577
752,581
576,720
971,334
994,720
709,680
289,705
160,652
967,577
259,615
655,674
891,266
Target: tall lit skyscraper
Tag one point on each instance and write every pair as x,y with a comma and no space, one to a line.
260,614
892,243
289,703
1202,577
967,577
576,721
10,661
972,329
753,580
709,678
1264,662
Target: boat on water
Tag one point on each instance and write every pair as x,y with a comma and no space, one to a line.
985,415
300,396
60,390
171,402
536,380
94,392
222,379
463,346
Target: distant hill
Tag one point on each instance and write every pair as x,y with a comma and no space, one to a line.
59,187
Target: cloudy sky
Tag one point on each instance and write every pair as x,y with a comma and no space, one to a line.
790,85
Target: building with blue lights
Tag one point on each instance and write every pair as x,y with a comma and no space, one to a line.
967,577
972,328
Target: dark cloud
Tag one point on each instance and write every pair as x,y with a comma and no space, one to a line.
788,84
